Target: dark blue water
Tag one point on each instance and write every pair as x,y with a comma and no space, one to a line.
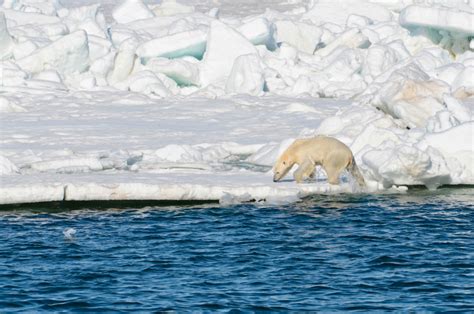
332,253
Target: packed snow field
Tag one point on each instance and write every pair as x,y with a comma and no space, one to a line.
171,100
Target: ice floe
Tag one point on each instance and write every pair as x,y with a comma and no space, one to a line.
196,100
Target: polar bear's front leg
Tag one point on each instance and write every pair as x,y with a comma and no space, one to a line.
305,170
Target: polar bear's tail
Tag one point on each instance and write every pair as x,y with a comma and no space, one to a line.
354,170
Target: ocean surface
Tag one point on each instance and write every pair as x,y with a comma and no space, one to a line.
412,251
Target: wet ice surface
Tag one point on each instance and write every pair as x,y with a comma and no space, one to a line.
336,252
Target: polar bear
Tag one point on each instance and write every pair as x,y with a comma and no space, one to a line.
328,152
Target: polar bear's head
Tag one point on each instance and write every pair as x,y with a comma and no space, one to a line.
282,166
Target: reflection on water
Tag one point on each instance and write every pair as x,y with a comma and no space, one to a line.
408,251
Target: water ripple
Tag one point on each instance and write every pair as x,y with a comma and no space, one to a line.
411,252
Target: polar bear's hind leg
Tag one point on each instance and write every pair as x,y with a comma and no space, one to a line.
333,174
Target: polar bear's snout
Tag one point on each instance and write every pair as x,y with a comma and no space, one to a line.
280,169
276,177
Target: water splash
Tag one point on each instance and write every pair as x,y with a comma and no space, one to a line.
69,234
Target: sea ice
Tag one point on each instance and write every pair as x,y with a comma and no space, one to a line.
184,71
187,43
303,36
6,42
337,11
351,38
172,7
441,18
68,54
224,46
124,61
246,76
46,7
258,31
19,18
114,101
131,10
7,105
7,167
